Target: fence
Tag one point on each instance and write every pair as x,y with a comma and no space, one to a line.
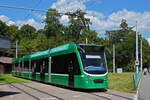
136,79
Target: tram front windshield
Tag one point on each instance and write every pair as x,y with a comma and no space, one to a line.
93,62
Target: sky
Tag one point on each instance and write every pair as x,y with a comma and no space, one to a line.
104,14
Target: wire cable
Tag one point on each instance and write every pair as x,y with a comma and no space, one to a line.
40,10
31,11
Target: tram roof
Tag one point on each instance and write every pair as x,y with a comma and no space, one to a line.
39,55
90,45
67,48
26,58
17,60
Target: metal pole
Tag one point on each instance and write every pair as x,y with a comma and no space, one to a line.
86,40
137,58
113,58
16,49
141,55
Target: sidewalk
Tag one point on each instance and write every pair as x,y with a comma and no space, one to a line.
144,88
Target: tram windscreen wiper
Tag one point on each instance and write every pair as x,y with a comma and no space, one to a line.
82,52
94,68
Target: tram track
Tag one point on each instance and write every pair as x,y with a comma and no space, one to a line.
54,96
43,92
94,94
38,94
37,90
109,94
100,96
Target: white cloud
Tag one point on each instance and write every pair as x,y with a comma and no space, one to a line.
148,40
69,5
10,23
99,22
4,18
40,16
95,14
64,19
19,23
31,22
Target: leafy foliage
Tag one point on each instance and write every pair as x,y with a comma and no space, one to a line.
77,23
124,40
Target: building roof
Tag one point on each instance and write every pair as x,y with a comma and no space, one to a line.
5,43
6,60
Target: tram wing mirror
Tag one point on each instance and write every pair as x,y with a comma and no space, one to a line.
83,52
84,56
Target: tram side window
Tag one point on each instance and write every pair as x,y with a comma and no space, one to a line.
26,66
16,67
73,58
21,67
38,65
45,65
33,66
60,64
13,67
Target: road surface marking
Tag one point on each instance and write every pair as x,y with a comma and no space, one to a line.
48,98
76,96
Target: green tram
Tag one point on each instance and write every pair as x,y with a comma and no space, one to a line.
73,65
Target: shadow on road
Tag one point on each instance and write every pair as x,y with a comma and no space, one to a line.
89,90
80,90
6,93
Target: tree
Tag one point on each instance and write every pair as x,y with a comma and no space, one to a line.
3,29
14,34
52,24
27,31
124,40
77,23
91,36
124,24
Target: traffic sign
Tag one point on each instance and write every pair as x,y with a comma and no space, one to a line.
136,62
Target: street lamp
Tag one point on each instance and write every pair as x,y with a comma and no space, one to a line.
113,58
137,58
141,54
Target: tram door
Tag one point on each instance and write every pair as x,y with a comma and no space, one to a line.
44,68
33,65
71,72
20,65
42,71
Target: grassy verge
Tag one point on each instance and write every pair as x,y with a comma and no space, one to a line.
121,82
8,78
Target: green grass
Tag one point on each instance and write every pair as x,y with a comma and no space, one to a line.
121,82
8,79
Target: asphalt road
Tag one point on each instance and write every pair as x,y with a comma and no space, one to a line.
40,91
144,88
